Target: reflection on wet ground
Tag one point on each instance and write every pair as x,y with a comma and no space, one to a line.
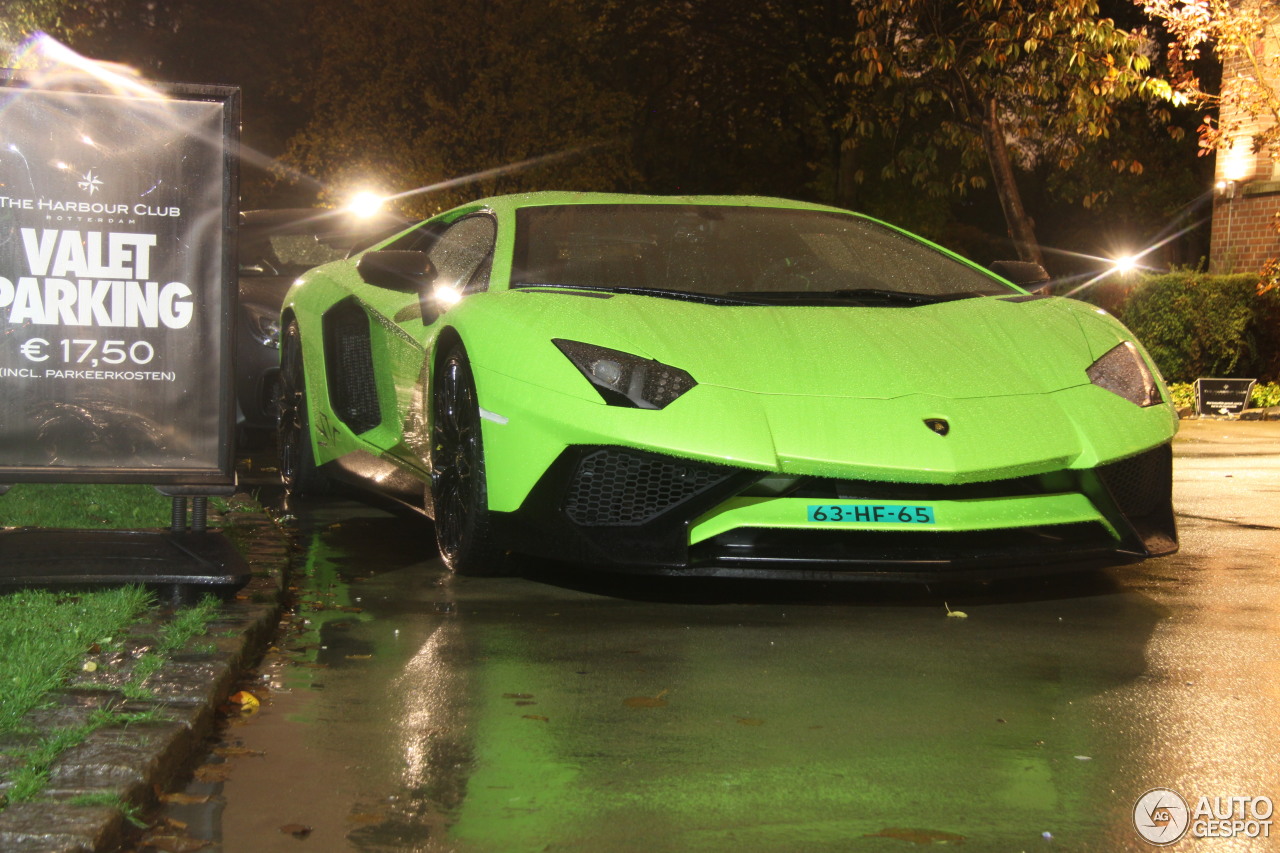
404,709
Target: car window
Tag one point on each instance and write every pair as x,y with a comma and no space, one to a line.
463,254
774,254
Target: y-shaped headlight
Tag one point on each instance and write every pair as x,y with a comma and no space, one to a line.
623,379
1122,371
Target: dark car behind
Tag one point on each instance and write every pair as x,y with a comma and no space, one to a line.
275,247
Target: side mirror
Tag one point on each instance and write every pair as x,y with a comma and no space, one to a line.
401,271
1025,274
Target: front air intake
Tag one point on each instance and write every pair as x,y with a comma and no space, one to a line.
612,486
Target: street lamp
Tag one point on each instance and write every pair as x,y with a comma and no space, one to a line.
365,203
1124,264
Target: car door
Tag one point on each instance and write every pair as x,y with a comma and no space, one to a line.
462,255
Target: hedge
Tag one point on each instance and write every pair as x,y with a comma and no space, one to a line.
1196,325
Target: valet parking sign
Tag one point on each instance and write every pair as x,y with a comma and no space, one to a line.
116,284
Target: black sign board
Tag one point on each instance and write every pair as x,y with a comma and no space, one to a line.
117,213
1223,396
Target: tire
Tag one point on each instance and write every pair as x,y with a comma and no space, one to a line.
298,469
459,496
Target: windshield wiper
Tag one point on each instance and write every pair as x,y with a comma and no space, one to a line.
682,295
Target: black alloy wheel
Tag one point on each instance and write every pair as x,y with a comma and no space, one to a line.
298,467
458,493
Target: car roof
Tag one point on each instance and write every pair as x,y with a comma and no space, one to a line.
548,198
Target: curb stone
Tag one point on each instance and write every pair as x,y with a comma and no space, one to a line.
132,762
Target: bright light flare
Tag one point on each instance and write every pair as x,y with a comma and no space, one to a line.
366,203
49,58
446,295
1124,265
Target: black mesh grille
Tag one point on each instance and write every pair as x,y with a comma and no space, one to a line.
353,392
1140,485
622,487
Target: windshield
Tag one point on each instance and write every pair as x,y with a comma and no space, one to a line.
745,254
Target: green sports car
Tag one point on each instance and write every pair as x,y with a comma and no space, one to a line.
731,386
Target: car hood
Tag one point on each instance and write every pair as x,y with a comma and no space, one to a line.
979,347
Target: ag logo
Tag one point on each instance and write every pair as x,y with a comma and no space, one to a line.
1161,816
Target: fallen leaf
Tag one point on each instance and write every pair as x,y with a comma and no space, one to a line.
523,702
954,614
90,666
537,717
247,701
297,830
918,836
359,657
237,751
180,799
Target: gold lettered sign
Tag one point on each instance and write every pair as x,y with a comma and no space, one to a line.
117,207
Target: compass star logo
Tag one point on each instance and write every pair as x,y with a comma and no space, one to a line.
1161,816
90,182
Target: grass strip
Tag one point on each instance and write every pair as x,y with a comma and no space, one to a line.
130,812
45,634
31,776
84,506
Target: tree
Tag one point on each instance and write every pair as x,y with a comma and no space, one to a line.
1245,36
735,98
22,19
244,43
454,101
967,90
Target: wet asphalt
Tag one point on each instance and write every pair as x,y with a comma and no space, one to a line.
402,708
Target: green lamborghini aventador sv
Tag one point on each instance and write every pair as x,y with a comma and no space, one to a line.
722,386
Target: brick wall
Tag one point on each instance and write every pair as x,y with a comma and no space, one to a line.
1246,207
1245,234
